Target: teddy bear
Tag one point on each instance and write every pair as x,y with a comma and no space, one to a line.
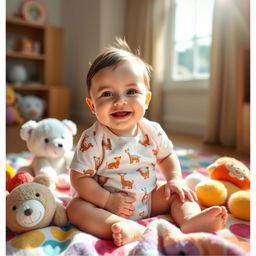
31,107
228,182
51,142
32,205
12,114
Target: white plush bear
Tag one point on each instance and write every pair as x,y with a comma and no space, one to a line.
51,142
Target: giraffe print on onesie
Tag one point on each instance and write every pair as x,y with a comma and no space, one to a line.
124,164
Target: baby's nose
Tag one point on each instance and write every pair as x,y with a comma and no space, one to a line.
120,100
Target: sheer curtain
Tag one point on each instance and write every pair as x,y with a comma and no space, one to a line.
145,25
231,33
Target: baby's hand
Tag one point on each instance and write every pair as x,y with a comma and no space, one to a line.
179,187
120,204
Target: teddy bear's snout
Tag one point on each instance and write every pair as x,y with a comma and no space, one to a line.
28,212
56,148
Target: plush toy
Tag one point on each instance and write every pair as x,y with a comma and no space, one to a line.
18,179
229,184
31,107
32,205
10,173
51,142
12,114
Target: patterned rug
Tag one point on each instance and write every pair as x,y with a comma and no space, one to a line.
71,241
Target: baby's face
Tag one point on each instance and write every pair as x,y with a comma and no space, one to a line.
119,97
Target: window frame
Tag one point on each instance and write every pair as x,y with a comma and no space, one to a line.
194,83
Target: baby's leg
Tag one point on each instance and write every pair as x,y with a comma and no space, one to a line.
190,218
103,224
188,215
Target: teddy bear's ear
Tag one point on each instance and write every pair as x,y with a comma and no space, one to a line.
70,125
27,128
42,179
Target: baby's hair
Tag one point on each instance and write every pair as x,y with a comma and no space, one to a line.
112,56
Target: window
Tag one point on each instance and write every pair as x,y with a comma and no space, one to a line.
191,39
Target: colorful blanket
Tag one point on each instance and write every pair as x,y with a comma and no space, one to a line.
161,237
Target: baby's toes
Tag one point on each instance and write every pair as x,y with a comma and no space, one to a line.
117,240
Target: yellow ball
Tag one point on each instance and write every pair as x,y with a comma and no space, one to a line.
239,204
211,192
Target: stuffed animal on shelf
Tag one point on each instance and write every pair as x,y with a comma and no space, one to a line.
32,205
51,142
12,114
31,107
228,183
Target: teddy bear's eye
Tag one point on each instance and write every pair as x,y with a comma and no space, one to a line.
62,137
46,140
14,208
37,195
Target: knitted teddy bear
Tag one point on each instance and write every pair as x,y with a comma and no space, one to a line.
51,142
32,205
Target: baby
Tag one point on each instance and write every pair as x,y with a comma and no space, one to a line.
114,167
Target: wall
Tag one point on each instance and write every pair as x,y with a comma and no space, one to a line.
185,111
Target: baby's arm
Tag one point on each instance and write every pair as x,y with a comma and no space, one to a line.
89,189
171,169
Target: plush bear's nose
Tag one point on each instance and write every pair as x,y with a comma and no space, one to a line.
60,145
28,212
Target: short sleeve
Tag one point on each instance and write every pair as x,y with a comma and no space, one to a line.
164,144
86,153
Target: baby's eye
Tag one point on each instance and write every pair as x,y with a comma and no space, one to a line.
132,91
107,94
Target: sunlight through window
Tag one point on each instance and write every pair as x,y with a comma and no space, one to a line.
192,39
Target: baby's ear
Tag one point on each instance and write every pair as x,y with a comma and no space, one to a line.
89,102
148,97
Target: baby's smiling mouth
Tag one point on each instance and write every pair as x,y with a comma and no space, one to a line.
120,114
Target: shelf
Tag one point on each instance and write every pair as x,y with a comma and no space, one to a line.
17,21
20,55
29,87
44,66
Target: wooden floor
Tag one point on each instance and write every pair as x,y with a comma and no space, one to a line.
15,144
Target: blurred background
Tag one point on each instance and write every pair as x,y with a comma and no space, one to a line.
199,50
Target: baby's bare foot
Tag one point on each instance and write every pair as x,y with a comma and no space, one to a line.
209,220
126,231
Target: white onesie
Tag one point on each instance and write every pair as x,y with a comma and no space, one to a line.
124,164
